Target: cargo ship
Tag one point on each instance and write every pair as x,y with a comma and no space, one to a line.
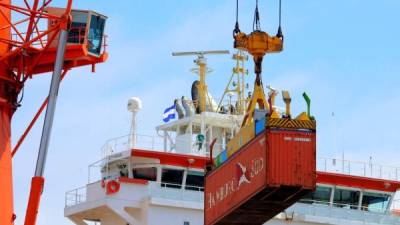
205,166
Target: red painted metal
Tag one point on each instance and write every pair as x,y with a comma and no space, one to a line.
172,159
133,181
291,158
263,178
365,183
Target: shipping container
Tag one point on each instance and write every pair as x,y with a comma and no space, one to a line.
264,177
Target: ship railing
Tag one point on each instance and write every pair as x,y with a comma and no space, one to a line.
75,196
381,210
358,168
124,143
176,191
155,143
155,189
342,211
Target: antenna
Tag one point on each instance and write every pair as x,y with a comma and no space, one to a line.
202,70
134,106
201,53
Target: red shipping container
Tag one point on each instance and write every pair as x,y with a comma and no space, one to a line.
263,178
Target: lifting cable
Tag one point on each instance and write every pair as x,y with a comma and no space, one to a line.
256,21
280,33
236,30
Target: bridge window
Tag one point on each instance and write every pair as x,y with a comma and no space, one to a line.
171,178
194,181
375,202
149,173
321,195
346,198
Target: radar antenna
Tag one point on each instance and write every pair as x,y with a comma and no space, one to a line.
202,70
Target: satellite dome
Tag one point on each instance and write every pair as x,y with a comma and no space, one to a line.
134,104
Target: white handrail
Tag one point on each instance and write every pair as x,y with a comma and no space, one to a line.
75,196
156,189
358,168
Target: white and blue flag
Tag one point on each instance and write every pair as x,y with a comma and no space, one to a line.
169,114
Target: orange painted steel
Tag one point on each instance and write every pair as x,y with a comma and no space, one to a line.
263,178
25,51
34,200
6,187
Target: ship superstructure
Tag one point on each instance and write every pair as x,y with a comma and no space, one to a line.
159,179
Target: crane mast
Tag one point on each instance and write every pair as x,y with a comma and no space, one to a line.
42,40
9,89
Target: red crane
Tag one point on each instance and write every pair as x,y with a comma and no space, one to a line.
36,38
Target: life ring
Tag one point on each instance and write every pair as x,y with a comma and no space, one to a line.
112,187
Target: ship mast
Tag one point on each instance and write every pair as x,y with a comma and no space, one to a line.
237,84
202,71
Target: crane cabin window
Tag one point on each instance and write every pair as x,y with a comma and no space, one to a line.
95,36
77,32
146,173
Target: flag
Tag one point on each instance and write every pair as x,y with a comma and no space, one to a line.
169,114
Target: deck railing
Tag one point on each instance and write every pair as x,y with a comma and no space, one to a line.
344,206
358,168
178,192
75,196
154,143
342,212
155,189
123,143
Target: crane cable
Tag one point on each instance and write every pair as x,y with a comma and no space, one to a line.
280,33
256,21
236,30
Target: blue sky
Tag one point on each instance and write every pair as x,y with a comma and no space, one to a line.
343,53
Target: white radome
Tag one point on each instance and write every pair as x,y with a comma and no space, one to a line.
134,104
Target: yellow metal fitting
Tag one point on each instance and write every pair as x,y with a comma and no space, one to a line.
303,116
287,99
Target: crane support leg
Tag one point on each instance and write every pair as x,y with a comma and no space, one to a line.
38,180
6,189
